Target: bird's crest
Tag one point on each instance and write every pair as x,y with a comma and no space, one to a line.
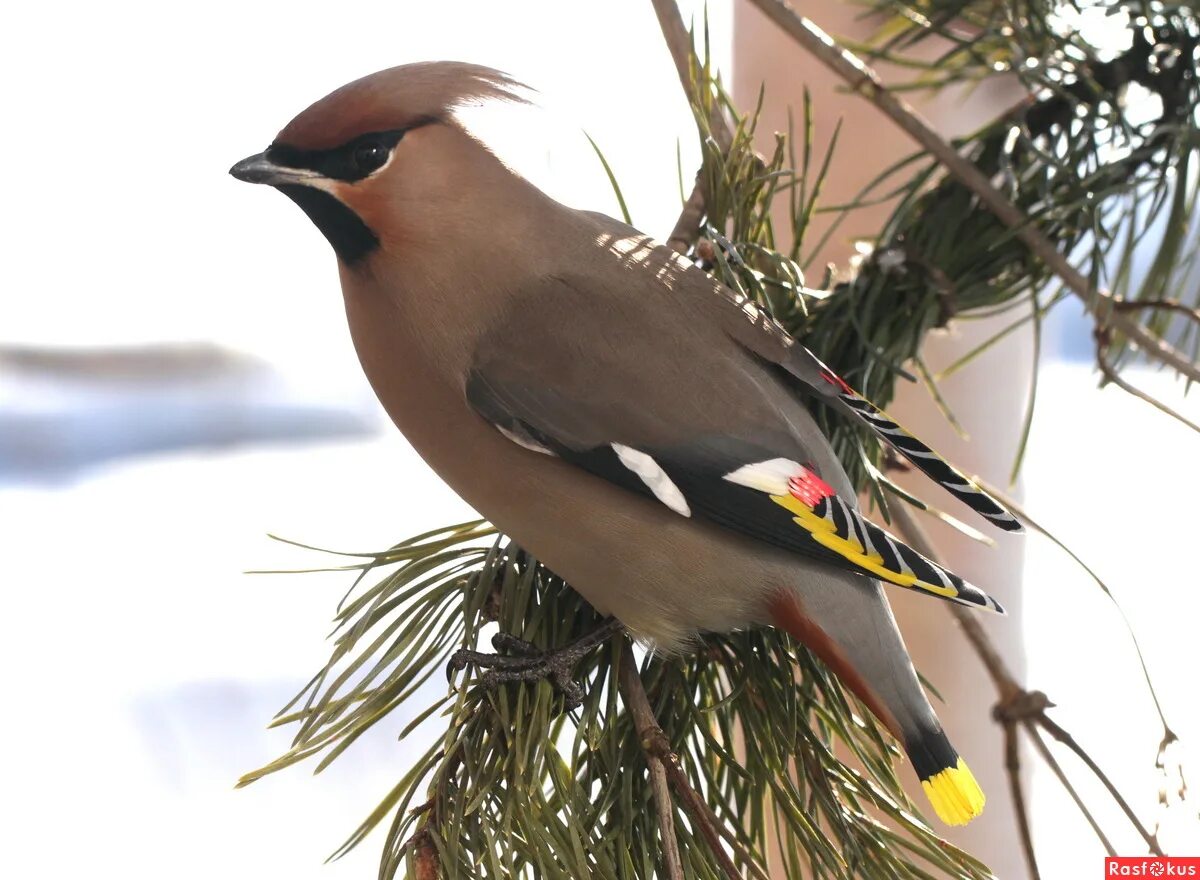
397,98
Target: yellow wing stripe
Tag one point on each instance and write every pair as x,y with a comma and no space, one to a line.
825,534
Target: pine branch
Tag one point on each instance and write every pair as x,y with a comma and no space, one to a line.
863,81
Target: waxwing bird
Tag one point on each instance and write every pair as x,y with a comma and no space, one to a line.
627,419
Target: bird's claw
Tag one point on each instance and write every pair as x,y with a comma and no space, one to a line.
505,642
532,663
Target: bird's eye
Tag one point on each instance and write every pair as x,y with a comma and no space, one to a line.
370,156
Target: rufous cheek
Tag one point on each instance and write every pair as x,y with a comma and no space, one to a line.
360,198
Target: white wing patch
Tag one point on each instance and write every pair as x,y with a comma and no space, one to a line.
654,477
769,476
525,442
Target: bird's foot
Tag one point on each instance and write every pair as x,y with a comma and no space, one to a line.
531,663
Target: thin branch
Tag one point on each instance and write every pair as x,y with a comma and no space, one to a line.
426,864
688,225
865,82
1012,763
654,741
672,862
1035,737
646,726
1069,741
711,826
1169,305
679,43
659,755
1111,375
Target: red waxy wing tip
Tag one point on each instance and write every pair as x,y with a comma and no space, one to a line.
806,486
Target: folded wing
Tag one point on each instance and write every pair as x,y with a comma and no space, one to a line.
732,446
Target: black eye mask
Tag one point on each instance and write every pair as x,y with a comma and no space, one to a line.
353,160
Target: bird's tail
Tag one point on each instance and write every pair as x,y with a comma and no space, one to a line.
947,781
851,628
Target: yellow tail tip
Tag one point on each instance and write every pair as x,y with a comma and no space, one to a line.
955,795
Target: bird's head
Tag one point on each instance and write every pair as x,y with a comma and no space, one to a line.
373,161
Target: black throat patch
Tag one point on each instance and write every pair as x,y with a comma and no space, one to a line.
352,239
350,162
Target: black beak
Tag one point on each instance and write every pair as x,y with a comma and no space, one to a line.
260,169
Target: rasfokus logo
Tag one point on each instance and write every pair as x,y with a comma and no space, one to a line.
1152,866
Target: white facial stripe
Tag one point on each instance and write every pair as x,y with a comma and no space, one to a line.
654,477
301,175
769,476
331,185
313,180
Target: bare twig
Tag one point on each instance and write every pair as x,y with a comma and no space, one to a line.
646,726
711,826
1069,741
679,42
1167,305
1012,763
426,864
663,763
1111,375
864,81
672,862
684,234
1035,737
659,754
